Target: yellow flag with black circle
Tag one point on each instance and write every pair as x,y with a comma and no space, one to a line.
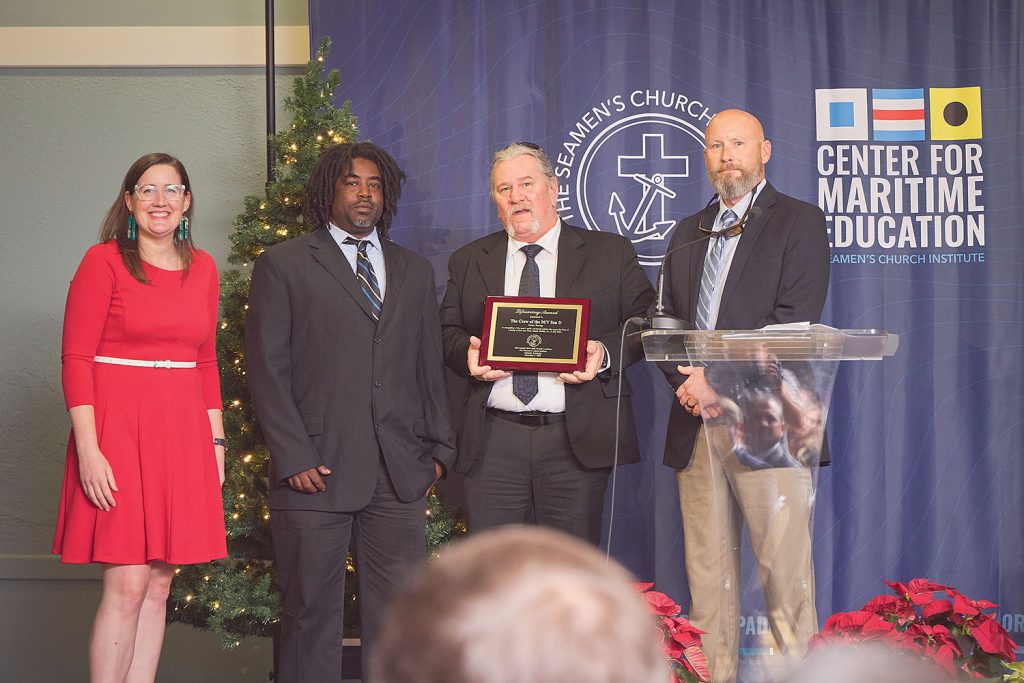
955,113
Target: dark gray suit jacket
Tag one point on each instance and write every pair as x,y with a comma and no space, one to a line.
599,266
779,274
331,387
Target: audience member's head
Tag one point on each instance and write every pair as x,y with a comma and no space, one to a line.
764,422
864,663
520,605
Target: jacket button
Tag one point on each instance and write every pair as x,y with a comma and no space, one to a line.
377,340
377,384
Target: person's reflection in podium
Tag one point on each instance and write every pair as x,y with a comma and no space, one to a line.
764,432
725,430
807,436
760,428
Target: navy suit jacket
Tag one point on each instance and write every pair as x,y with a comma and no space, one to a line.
332,387
599,266
779,274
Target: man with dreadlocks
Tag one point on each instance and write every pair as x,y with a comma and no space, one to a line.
343,358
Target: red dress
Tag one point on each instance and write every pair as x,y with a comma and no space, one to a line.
151,423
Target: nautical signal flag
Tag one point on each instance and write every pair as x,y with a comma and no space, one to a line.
955,113
897,114
841,113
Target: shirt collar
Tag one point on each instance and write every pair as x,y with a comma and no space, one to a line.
340,236
548,241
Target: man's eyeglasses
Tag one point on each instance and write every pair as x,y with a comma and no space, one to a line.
734,229
172,193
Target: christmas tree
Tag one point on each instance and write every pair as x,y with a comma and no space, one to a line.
236,597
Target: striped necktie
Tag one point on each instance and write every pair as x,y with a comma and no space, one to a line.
524,384
712,268
366,276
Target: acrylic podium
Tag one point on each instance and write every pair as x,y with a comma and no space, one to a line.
764,408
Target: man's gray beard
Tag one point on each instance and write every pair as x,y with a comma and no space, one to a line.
736,188
534,227
362,223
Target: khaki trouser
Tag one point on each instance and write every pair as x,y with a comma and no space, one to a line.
716,496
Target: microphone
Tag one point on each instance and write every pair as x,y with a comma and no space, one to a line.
661,320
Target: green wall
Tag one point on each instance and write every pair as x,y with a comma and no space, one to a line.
176,13
67,136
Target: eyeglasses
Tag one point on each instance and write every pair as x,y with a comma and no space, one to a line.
734,229
172,193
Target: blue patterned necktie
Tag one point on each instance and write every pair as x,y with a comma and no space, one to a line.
524,384
712,267
366,277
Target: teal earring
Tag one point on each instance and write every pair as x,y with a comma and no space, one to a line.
132,232
183,229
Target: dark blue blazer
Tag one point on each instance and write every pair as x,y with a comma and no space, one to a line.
779,274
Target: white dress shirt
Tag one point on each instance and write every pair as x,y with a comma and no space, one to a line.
550,396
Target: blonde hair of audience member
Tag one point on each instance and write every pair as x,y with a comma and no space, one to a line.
520,605
863,663
725,432
806,436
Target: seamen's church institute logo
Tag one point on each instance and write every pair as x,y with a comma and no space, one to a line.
633,164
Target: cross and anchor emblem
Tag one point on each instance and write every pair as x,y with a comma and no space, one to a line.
650,169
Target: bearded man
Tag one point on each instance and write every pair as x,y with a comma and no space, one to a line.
537,447
343,358
775,270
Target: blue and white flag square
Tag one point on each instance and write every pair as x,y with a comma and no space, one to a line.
841,113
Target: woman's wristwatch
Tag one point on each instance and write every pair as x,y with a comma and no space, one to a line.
217,441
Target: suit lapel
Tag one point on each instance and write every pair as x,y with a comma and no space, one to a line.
328,254
752,232
394,265
572,254
491,264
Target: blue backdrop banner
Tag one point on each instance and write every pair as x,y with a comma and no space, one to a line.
902,121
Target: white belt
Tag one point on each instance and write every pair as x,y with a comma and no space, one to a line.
146,363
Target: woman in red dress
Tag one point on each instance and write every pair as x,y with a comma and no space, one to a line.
146,459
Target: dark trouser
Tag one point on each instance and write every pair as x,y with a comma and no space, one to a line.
387,538
528,475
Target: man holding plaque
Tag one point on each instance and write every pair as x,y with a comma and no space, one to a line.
537,446
770,266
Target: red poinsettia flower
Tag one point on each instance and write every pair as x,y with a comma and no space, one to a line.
887,606
967,607
937,610
909,641
697,663
867,624
954,634
918,591
661,604
680,639
938,643
993,639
